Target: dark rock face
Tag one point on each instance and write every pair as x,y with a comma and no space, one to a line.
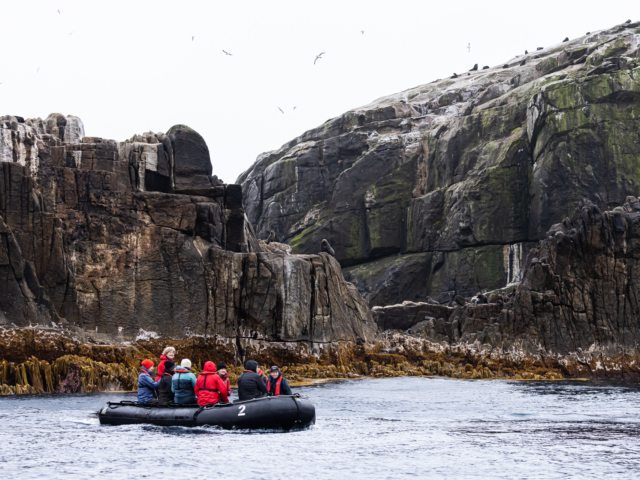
577,304
99,235
580,290
443,189
71,383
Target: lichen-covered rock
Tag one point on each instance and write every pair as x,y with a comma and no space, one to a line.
442,189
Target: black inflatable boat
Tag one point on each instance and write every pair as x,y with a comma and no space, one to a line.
281,412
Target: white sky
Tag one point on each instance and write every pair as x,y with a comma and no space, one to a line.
131,66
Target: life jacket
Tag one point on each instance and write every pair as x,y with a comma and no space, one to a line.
204,383
227,383
276,391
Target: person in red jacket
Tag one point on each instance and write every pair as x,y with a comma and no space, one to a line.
209,387
168,353
222,373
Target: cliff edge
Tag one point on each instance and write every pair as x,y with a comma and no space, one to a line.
442,190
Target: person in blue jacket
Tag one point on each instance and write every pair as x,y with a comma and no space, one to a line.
147,388
183,383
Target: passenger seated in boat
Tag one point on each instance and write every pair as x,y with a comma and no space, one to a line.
222,373
169,354
183,383
209,387
165,394
146,386
250,384
277,384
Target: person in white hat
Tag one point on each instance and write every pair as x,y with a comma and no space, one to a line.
183,383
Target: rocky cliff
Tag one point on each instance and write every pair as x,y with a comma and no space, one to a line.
444,188
114,239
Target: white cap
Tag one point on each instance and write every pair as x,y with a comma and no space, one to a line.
185,363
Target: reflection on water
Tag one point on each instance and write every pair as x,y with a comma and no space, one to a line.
386,428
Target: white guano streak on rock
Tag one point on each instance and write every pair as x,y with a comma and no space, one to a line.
7,148
513,262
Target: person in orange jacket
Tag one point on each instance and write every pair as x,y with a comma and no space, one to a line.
209,387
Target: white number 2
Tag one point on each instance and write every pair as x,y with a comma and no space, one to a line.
242,408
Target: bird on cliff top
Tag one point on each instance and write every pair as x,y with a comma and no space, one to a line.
475,67
317,57
327,248
226,53
566,39
280,110
628,21
271,237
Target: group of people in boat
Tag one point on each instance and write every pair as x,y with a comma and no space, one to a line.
177,384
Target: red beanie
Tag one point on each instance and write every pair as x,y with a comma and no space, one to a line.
146,363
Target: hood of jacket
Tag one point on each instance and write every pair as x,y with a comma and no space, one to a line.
251,365
144,370
183,370
209,367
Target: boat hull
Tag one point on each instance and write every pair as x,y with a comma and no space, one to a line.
282,412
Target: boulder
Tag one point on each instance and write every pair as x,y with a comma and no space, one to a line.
192,163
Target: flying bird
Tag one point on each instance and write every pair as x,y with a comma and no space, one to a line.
58,11
362,32
280,110
317,57
226,53
192,38
469,48
38,70
294,108
73,32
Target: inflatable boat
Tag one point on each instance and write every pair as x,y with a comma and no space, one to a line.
282,412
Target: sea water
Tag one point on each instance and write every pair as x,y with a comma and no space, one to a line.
412,427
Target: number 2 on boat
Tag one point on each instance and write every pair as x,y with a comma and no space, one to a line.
242,408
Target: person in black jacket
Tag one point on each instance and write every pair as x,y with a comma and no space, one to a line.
250,384
277,384
165,395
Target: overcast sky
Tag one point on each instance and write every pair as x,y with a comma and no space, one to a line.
127,67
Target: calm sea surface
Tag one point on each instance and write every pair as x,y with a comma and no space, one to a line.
387,428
